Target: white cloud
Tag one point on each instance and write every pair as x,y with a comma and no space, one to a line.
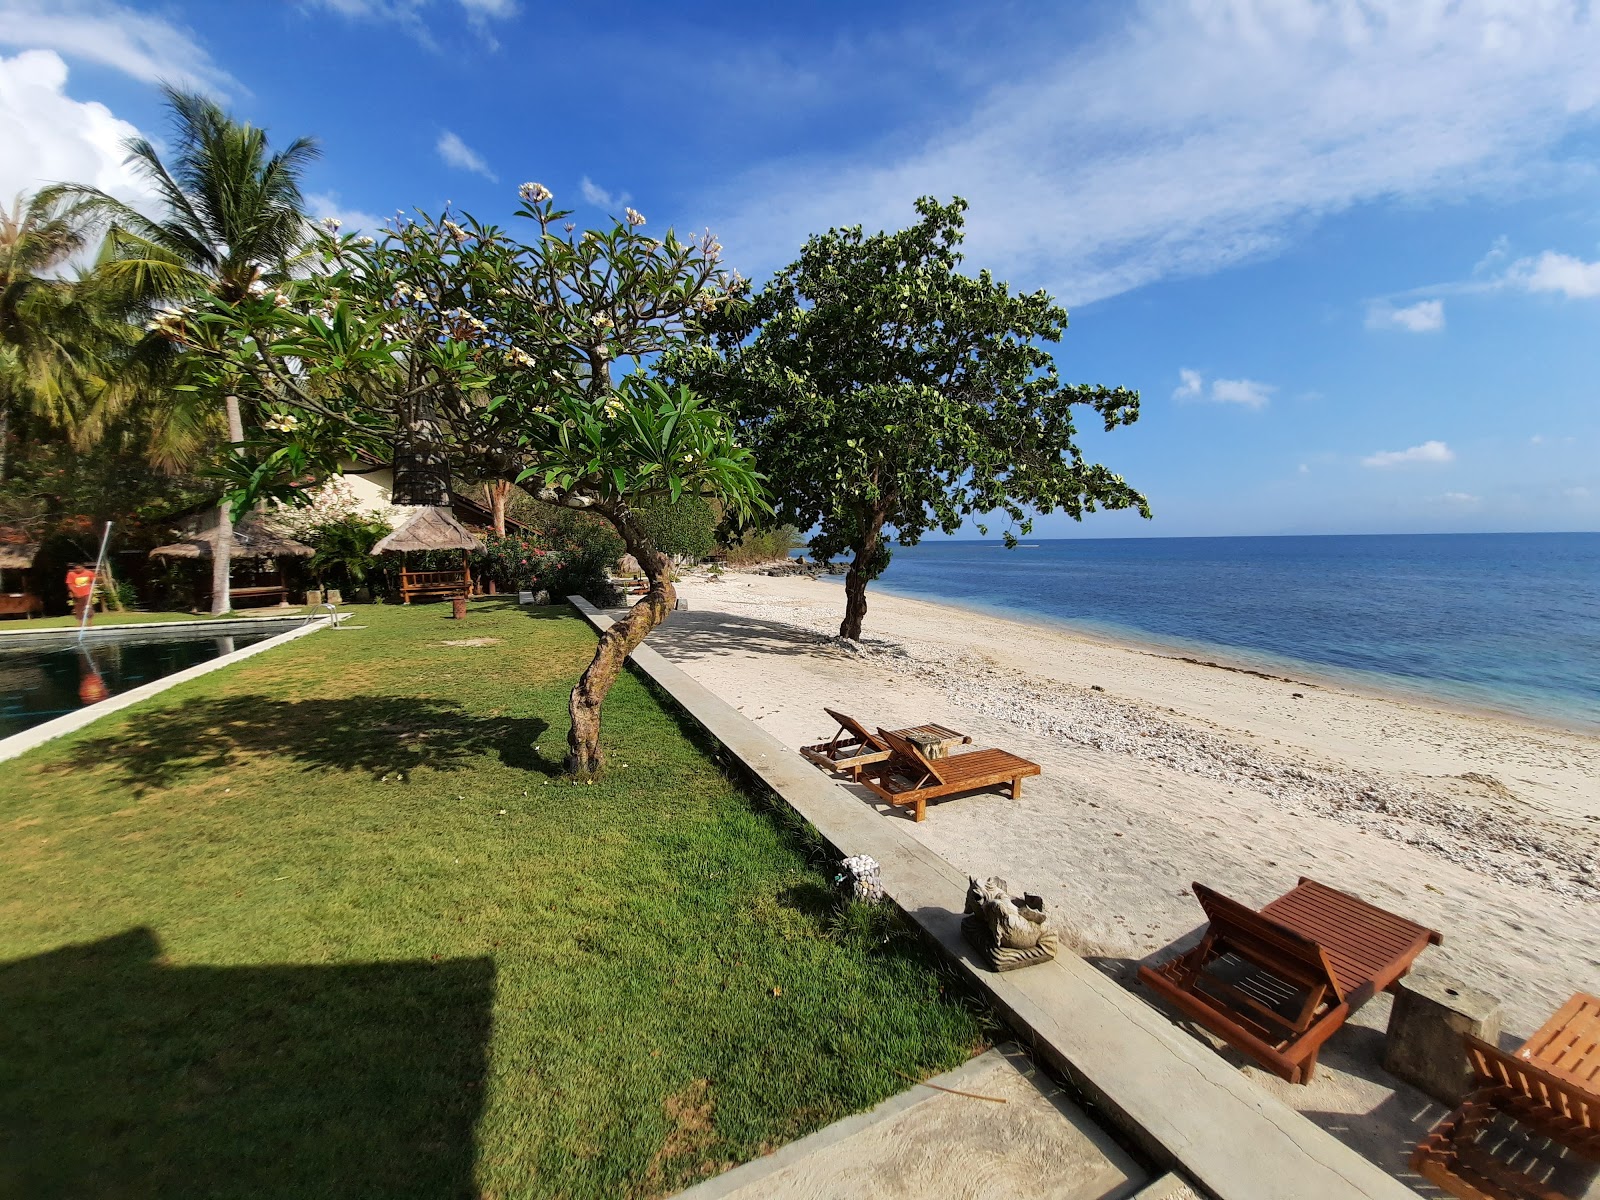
149,48
1425,316
322,205
1197,135
596,195
1304,469
412,15
51,138
1241,391
1248,392
1576,493
457,153
1463,498
1552,272
1427,452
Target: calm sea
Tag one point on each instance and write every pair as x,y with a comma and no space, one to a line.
1505,621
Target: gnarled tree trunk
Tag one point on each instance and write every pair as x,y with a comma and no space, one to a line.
855,579
496,493
584,757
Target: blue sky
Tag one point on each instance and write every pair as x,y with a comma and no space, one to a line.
1348,251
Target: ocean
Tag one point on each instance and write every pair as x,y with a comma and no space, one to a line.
1509,622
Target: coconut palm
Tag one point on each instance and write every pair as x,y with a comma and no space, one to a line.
46,351
232,218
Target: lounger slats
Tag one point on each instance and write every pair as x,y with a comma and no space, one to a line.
1570,1041
1328,950
911,779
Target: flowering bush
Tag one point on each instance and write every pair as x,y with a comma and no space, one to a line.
332,503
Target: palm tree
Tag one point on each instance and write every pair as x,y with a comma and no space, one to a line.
233,217
46,332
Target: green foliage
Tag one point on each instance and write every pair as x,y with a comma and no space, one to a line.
883,390
681,528
343,548
765,545
412,953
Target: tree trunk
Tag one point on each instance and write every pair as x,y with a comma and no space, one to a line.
222,548
496,493
855,580
584,758
5,435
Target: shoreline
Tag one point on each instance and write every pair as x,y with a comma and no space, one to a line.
1371,685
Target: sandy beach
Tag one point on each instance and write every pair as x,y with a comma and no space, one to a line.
1158,771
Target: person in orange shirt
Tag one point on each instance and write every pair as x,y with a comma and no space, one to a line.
80,586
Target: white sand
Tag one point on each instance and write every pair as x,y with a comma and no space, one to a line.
1159,771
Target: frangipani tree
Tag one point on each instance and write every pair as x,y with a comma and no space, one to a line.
519,361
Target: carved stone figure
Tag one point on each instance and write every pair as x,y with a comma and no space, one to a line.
1011,931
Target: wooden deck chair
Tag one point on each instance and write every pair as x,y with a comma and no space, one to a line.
854,746
1277,984
1472,1153
909,779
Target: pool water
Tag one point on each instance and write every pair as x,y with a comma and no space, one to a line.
39,683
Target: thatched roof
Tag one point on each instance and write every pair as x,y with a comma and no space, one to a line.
18,556
429,528
253,537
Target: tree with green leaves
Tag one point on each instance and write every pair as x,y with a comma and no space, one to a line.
505,358
53,344
886,394
234,224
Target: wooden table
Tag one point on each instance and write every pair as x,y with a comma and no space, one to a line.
935,741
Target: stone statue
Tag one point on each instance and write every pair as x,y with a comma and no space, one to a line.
1010,931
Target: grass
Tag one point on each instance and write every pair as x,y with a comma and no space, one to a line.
330,923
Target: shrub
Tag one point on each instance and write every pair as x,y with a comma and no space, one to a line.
681,528
764,545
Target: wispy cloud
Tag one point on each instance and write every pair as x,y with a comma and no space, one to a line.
325,205
1427,452
1247,392
458,154
1198,135
596,195
1425,316
413,15
1465,499
148,47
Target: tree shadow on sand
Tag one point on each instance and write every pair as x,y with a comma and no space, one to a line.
124,1077
381,735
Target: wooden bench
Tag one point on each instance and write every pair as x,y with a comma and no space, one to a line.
278,593
450,584
908,779
1278,983
21,604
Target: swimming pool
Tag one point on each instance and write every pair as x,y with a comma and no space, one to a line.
46,678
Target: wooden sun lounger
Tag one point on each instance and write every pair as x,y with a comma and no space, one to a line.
854,746
909,779
1550,1088
1278,983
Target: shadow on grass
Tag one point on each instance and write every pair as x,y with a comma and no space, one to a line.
124,1077
382,735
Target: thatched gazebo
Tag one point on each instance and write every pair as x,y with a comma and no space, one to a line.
254,541
17,558
432,527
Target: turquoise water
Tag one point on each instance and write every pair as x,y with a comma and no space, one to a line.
38,683
1504,621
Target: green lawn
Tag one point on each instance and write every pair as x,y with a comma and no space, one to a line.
329,923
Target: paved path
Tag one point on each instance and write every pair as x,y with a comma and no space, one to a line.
1038,1145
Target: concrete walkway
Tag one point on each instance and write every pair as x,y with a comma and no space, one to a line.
927,1143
